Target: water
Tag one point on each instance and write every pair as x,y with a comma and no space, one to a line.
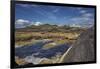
37,51
53,51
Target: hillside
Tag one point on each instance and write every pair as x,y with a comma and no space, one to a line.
31,34
50,28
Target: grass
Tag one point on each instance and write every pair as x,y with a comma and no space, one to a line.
51,60
20,61
57,42
48,46
25,43
26,38
23,36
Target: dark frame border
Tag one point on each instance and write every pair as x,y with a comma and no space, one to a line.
12,33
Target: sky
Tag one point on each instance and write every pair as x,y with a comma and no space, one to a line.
31,14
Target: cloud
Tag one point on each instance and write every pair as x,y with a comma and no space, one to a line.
23,5
85,20
21,23
48,15
38,23
88,15
75,25
27,5
55,10
79,8
82,11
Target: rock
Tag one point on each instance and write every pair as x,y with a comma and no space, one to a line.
47,61
82,50
32,59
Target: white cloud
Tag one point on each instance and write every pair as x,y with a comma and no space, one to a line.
75,25
82,11
88,15
23,5
48,15
27,5
84,20
81,20
20,23
38,23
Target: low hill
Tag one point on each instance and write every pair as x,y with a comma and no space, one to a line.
50,28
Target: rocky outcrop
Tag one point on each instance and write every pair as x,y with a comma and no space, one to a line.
82,50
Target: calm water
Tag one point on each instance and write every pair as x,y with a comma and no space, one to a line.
37,51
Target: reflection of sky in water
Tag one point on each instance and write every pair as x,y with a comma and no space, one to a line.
37,51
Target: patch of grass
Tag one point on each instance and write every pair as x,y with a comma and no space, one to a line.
23,36
49,45
25,43
26,38
55,43
20,61
60,41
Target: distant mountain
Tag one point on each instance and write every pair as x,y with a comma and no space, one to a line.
50,28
